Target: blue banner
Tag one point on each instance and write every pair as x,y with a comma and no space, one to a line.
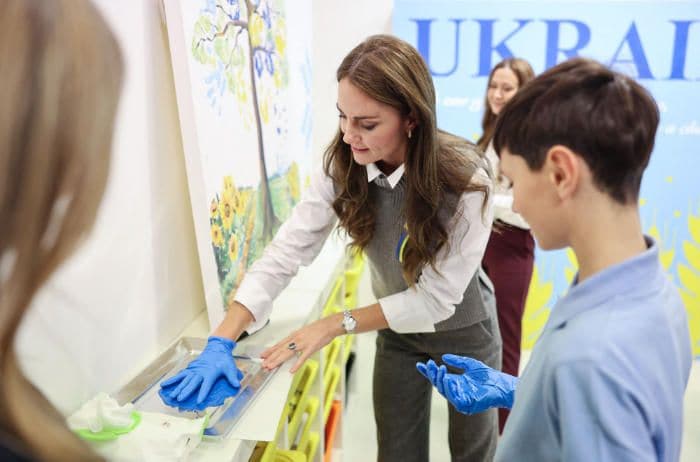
658,43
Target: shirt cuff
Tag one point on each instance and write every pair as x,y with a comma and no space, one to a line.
402,318
503,201
254,297
503,210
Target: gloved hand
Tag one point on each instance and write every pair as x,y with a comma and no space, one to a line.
215,361
477,389
434,373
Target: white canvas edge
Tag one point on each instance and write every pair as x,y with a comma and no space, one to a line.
195,176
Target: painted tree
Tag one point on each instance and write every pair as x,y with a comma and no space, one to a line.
243,42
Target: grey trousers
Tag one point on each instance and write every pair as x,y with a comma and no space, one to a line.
402,396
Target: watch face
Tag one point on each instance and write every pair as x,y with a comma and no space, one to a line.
349,323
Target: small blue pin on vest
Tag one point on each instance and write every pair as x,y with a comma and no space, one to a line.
401,246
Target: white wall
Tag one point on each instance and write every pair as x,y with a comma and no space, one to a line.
135,285
338,27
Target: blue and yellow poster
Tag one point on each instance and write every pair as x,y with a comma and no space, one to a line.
658,43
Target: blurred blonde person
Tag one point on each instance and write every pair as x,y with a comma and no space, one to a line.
60,79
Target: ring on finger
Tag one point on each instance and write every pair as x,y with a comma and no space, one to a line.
292,346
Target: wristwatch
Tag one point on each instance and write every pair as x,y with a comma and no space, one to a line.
349,322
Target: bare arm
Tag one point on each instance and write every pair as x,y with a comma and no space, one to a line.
314,336
237,319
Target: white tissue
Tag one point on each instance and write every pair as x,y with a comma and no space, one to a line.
158,438
101,412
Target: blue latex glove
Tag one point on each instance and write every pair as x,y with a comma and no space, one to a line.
477,389
221,390
434,373
216,361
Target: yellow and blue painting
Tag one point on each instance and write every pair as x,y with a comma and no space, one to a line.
248,78
658,45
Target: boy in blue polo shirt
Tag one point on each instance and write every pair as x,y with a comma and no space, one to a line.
605,381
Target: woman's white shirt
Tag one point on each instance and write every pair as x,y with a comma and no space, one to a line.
503,197
418,309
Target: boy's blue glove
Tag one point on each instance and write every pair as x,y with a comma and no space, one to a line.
434,373
477,389
215,361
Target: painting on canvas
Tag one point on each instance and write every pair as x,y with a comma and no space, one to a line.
242,73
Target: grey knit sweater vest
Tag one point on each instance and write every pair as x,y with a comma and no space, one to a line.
478,303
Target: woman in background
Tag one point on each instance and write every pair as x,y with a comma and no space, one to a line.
510,252
60,80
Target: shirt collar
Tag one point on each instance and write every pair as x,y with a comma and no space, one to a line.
373,173
640,274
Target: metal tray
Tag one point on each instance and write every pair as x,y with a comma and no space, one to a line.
142,391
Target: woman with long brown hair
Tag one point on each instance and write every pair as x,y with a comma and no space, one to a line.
60,77
510,253
416,201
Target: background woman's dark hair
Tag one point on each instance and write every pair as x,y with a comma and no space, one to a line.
439,167
603,116
59,87
524,73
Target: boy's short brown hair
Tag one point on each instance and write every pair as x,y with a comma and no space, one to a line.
603,116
